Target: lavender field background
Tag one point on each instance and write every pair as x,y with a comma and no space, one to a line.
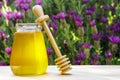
87,31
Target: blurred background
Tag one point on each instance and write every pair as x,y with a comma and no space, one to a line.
87,31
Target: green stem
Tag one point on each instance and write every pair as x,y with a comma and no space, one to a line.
2,58
108,61
4,43
87,34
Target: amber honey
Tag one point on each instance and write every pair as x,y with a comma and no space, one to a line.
28,54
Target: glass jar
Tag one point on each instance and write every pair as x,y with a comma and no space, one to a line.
28,55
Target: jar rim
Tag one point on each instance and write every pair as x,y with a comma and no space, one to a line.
24,24
28,27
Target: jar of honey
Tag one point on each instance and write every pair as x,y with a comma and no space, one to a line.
28,55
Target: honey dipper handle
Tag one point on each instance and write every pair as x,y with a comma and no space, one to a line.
54,45
38,11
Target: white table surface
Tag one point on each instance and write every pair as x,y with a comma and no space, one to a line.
77,73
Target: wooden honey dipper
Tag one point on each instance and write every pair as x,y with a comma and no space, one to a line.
62,62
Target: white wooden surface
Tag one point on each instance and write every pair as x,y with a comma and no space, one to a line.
77,73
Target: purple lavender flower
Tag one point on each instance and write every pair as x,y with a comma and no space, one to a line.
95,56
93,8
118,26
13,15
23,1
99,14
114,39
108,54
92,62
118,23
77,17
88,12
8,1
29,1
92,23
85,1
86,45
112,8
105,7
115,20
49,24
115,27
17,15
25,6
112,27
8,50
54,17
61,15
3,35
80,44
79,23
49,51
76,61
81,55
54,26
9,15
20,1
39,2
0,14
72,12
3,64
6,37
0,4
17,3
97,36
104,20
105,35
